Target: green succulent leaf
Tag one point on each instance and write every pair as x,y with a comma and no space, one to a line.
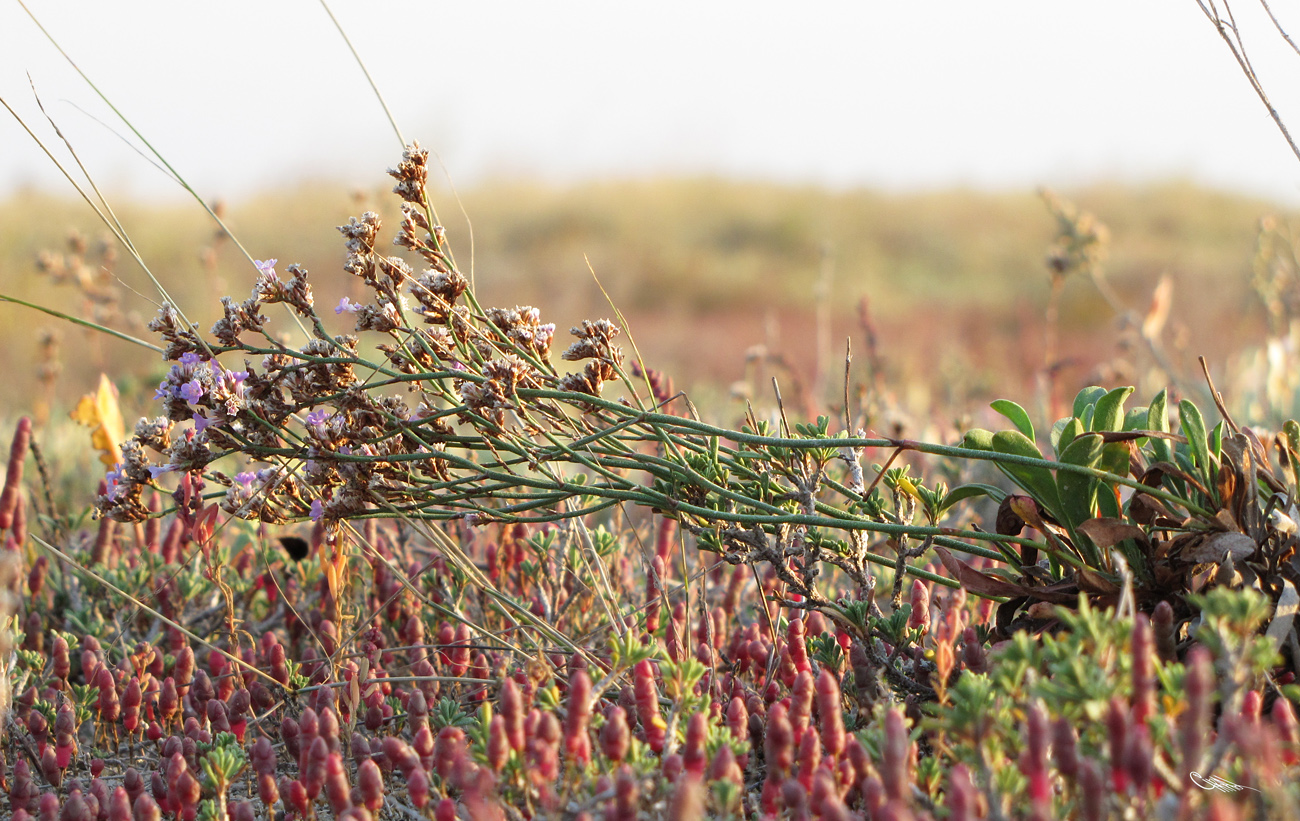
1079,492
1064,432
1016,414
977,439
1087,398
1037,481
971,491
1136,419
1193,426
1109,411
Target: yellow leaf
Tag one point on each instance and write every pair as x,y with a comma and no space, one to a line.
340,568
99,411
331,577
905,485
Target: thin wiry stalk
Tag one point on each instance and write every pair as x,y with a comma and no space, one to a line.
82,322
1231,35
162,159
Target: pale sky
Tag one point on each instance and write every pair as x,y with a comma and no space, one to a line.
242,96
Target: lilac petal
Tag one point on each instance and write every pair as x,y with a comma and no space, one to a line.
192,391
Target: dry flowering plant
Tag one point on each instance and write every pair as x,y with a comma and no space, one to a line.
499,480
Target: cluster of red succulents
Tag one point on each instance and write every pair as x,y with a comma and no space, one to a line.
360,700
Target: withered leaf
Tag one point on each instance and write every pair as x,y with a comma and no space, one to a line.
1218,546
1226,481
1149,510
1157,471
975,581
1106,533
1008,522
1041,610
1006,615
985,585
1225,521
1090,581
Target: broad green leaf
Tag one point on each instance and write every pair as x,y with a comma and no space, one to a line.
1037,481
1135,419
1079,492
1114,459
1158,412
1017,416
1109,412
1216,441
1087,396
1158,419
977,439
1291,433
1070,430
1055,436
1193,425
970,491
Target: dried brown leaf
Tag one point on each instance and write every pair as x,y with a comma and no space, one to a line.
1219,546
985,585
1106,533
1090,581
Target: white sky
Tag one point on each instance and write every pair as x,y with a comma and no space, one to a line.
241,95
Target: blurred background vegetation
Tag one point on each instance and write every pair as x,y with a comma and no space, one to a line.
722,282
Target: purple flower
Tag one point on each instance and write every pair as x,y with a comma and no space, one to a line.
317,510
201,422
163,392
348,305
192,391
190,358
155,472
246,478
317,417
266,266
268,475
232,381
